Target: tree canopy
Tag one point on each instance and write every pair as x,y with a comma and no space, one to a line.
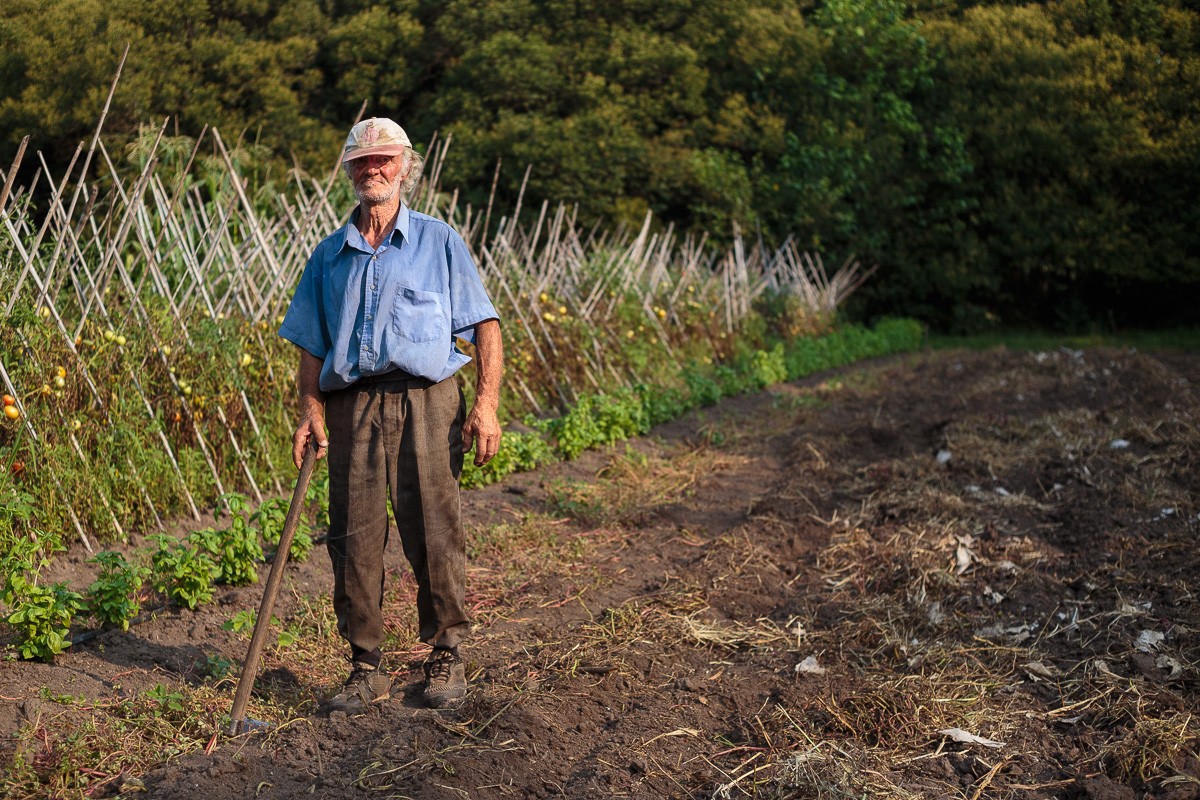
1002,162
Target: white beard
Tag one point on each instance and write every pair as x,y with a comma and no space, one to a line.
378,195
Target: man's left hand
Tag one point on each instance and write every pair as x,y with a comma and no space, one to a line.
483,429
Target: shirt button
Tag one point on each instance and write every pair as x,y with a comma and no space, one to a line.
368,317
373,287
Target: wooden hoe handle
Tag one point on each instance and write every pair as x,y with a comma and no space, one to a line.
250,665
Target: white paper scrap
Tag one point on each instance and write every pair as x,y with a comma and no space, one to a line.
810,666
959,735
1149,640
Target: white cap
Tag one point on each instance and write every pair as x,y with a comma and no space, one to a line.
377,136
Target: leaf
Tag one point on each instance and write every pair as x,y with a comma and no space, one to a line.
959,735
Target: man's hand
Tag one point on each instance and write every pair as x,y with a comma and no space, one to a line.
483,428
312,427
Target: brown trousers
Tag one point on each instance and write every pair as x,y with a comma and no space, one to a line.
398,437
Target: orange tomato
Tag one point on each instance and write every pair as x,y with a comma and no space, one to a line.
9,400
11,412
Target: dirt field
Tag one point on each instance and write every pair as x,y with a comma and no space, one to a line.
788,595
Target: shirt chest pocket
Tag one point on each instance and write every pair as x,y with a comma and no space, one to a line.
417,315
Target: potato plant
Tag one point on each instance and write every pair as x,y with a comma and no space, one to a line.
270,518
234,550
114,597
182,572
42,619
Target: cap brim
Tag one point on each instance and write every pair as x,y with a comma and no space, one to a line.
379,150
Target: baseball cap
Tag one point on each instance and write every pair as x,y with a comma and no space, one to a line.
377,136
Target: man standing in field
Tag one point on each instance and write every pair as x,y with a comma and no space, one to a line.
375,317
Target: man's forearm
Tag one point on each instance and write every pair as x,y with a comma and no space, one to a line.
308,383
489,367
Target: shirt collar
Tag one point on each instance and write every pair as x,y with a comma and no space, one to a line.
350,235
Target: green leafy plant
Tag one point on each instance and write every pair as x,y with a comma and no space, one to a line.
598,420
214,666
42,619
317,497
182,572
242,620
519,452
40,615
270,518
168,702
113,597
769,367
235,550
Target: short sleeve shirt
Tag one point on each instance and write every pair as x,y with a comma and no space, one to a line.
367,311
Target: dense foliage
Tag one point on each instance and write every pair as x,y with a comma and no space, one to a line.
1002,162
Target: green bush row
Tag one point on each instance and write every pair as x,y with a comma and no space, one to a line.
605,418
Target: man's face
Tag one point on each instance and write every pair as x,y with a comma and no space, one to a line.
376,179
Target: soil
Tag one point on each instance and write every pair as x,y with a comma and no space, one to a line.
998,542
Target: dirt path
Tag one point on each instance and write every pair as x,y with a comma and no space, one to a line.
788,595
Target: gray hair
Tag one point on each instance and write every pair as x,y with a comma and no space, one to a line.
416,167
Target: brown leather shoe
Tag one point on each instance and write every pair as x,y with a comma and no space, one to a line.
445,679
366,686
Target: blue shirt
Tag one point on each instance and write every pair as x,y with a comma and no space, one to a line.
365,311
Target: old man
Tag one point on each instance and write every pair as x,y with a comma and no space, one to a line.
376,316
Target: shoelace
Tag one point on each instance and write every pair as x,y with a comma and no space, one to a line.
358,674
441,665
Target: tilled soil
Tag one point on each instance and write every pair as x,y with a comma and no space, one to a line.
792,594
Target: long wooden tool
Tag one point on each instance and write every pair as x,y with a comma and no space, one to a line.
263,623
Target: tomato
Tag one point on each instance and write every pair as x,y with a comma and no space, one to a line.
18,467
9,400
11,412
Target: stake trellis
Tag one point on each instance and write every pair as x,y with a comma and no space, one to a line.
117,249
